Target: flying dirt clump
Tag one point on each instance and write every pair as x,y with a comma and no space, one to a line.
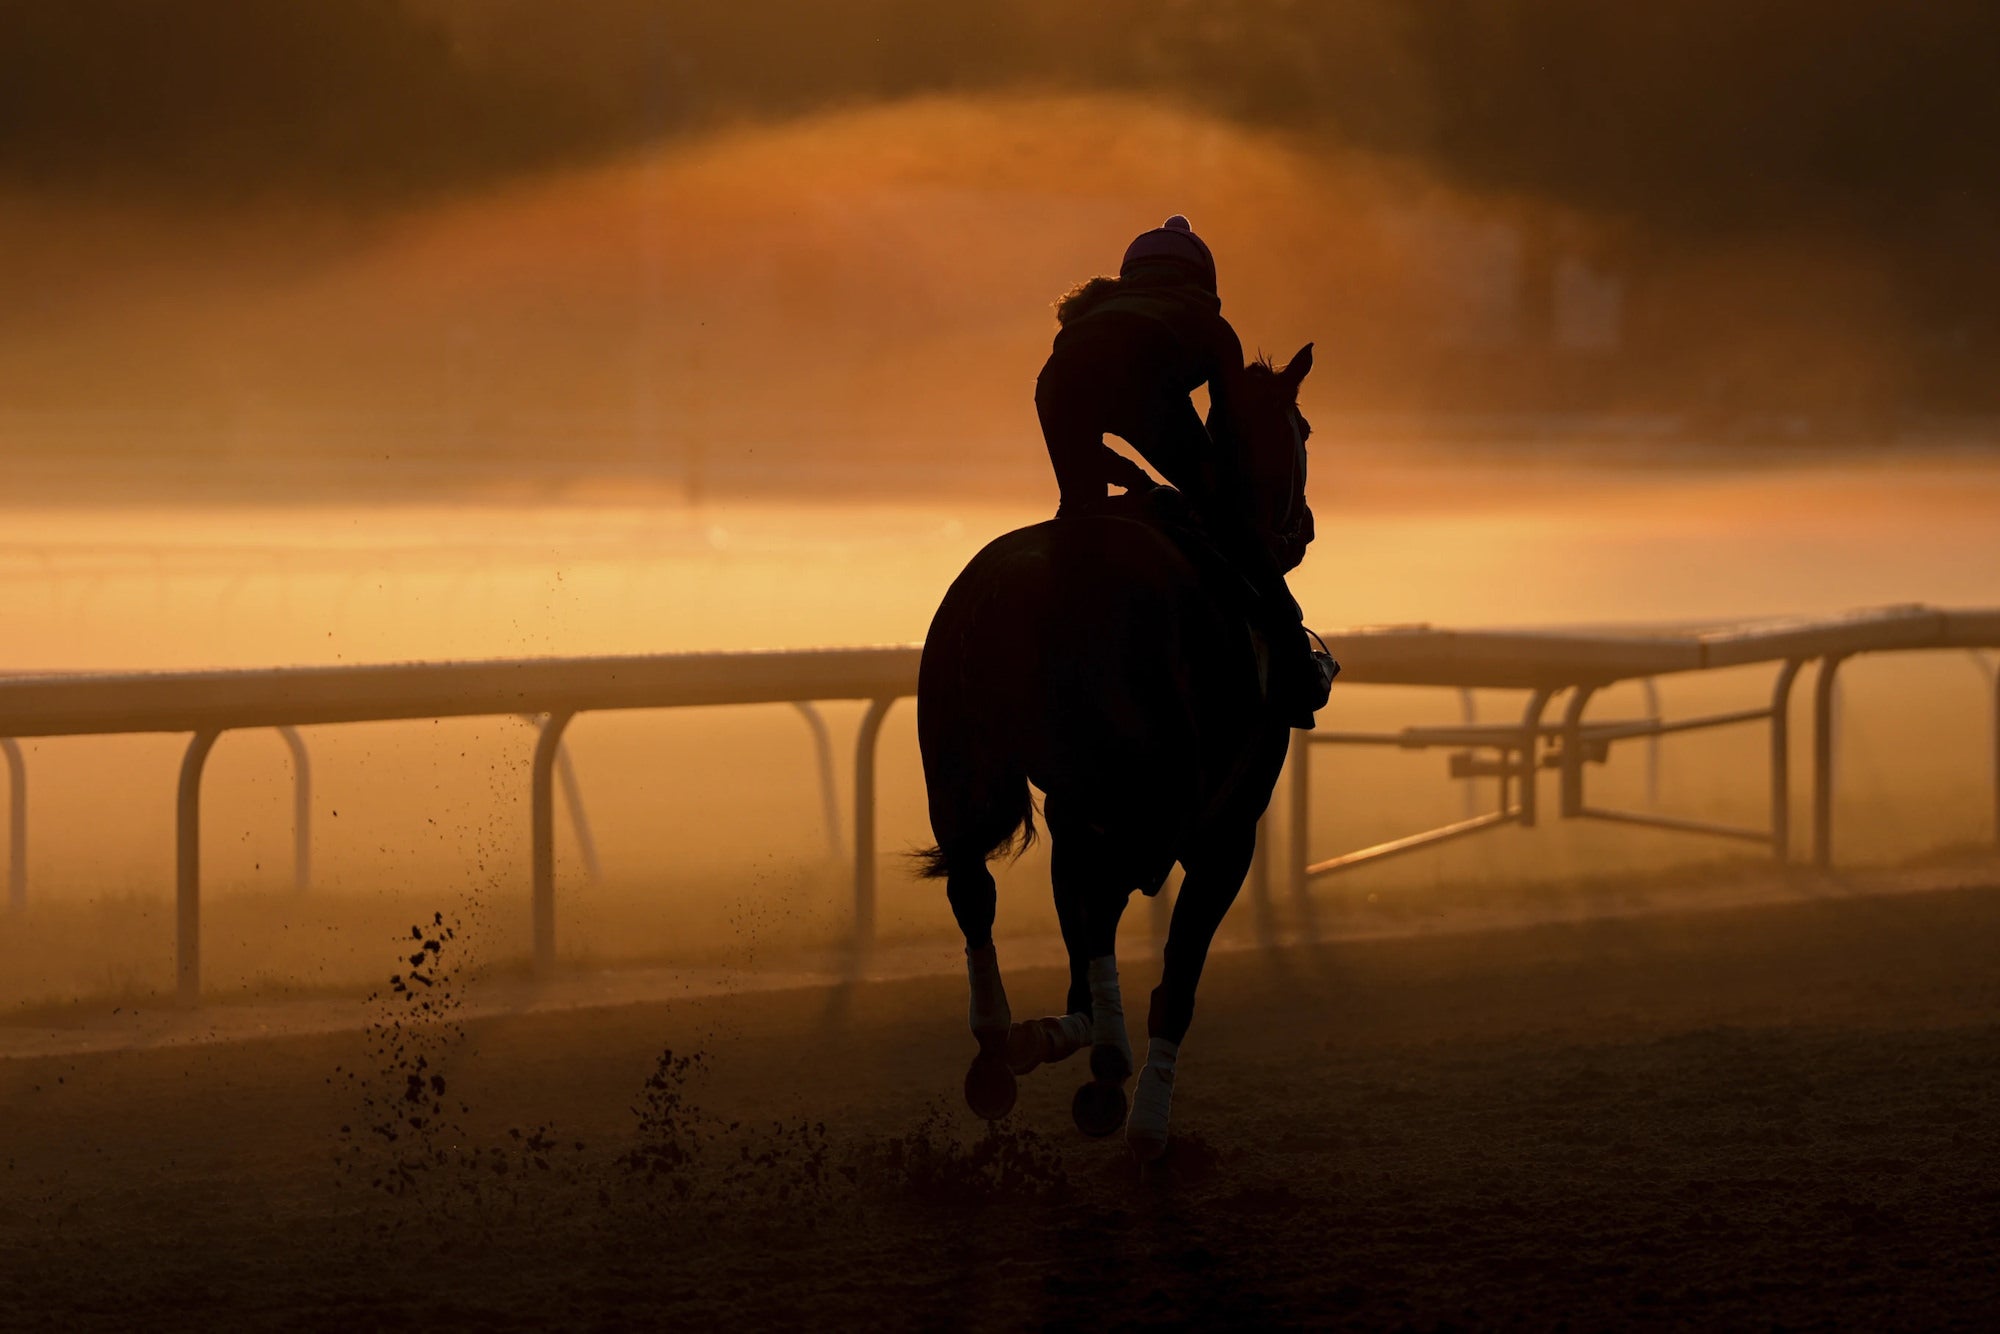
412,1143
684,1156
934,1163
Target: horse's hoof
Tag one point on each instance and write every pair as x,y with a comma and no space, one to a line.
1147,1146
1027,1045
1099,1108
1109,1064
989,1086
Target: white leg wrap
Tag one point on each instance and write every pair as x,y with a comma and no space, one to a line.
1152,1101
1075,1030
1107,1007
989,999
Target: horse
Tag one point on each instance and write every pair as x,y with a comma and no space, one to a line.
1116,668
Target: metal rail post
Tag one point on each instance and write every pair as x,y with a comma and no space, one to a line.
864,820
1572,751
1823,691
187,869
1781,760
579,819
1531,736
542,825
823,753
301,809
17,824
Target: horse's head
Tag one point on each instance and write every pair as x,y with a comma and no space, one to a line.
1268,433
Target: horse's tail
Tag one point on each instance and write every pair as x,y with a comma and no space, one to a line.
973,721
977,785
1005,827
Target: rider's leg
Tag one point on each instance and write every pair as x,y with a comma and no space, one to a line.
1160,422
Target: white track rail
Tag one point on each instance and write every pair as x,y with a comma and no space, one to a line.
1580,661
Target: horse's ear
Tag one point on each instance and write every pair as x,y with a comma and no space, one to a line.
1295,369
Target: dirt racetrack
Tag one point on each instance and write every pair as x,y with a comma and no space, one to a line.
1773,1117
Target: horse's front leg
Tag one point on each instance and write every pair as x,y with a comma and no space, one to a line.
1089,904
989,1083
1099,1106
1214,876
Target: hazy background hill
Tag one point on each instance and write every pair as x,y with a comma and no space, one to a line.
633,230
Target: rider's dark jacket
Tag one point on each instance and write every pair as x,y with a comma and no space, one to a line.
1125,365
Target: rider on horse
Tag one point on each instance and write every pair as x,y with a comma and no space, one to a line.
1129,352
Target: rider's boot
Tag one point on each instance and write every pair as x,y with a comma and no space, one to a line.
1301,676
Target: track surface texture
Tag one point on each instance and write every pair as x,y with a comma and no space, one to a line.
1766,1117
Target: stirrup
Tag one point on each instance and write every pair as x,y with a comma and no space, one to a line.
1325,669
1316,689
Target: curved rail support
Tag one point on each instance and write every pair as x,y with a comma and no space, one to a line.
1823,698
17,824
864,820
579,819
1531,735
302,782
829,801
1781,760
542,826
1572,751
187,869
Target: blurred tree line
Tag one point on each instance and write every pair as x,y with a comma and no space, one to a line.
1701,113
1873,121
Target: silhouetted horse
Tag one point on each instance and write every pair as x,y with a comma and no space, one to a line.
1114,667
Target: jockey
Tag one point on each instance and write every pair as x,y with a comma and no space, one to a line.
1129,352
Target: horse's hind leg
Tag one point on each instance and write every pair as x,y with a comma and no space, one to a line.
1214,876
989,1083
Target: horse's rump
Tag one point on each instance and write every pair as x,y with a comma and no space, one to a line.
1095,658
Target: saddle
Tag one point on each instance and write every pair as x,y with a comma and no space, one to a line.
1168,512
